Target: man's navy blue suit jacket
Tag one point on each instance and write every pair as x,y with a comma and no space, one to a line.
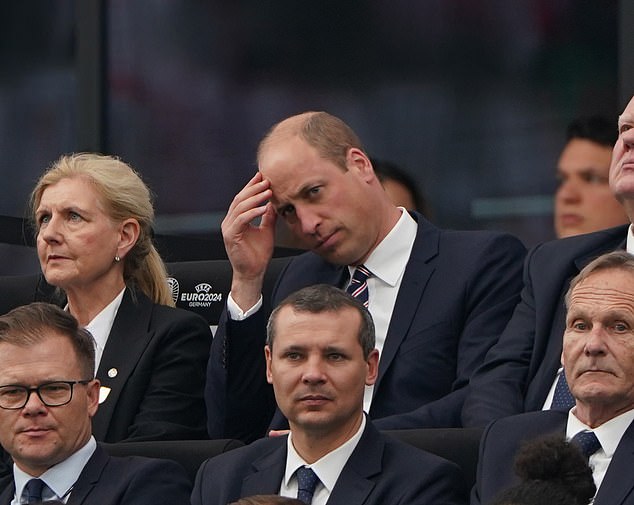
457,294
520,369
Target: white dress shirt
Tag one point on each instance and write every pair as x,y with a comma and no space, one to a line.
59,478
387,263
328,468
609,435
101,325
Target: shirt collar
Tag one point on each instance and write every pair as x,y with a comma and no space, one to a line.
609,433
629,245
61,477
101,325
389,259
329,467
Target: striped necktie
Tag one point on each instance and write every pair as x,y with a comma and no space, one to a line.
358,287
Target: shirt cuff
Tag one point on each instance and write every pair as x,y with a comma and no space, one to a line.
236,313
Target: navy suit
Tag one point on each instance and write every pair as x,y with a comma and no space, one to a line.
502,439
520,369
380,471
457,293
159,354
106,480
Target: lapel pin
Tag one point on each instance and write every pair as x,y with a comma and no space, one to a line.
112,373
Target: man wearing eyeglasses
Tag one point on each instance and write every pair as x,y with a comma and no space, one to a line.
48,396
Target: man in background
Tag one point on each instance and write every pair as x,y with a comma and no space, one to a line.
584,202
523,371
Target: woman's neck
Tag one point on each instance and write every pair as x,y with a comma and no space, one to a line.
87,302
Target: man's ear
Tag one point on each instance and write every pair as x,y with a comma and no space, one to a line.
267,357
92,390
129,231
373,367
357,160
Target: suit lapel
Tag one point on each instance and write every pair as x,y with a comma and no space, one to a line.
126,343
335,275
552,354
86,481
417,273
320,272
88,478
268,472
354,485
584,259
617,483
6,494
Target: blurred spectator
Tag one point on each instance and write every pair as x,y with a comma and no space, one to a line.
400,186
553,472
584,202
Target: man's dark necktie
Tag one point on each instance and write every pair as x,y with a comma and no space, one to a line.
358,287
306,483
562,399
32,491
587,441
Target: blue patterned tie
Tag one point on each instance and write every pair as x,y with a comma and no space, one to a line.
587,441
306,483
562,399
32,491
358,287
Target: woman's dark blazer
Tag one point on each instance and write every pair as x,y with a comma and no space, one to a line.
153,371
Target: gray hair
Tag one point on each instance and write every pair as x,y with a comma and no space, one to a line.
615,260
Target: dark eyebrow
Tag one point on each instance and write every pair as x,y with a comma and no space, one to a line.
300,193
293,348
334,348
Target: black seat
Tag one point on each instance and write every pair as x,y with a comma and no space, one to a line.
203,286
189,453
460,445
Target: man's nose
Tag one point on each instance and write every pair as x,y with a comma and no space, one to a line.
313,372
34,404
308,220
595,341
568,191
628,138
